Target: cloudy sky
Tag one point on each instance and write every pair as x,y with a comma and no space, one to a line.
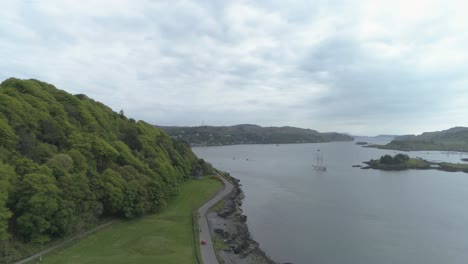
364,67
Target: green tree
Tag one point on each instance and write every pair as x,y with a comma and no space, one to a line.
126,157
79,160
7,135
156,195
135,199
60,163
27,141
78,201
37,206
113,191
5,213
25,166
51,132
400,158
104,153
386,159
122,114
130,137
7,183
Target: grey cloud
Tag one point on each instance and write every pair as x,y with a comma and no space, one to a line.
327,65
363,86
46,31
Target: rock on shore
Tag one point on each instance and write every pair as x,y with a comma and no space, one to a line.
229,225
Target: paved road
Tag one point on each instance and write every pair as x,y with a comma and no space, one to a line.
63,243
207,251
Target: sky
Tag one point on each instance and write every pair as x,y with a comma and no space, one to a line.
362,67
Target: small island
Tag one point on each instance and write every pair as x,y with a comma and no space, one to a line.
404,162
362,143
398,162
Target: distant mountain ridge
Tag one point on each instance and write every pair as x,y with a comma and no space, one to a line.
386,136
250,134
453,139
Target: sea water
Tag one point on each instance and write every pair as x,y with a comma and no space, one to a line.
345,214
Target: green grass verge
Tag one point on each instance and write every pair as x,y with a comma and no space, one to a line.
218,206
219,244
196,234
165,237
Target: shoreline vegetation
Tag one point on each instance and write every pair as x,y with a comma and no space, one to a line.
229,229
453,139
403,162
417,147
250,134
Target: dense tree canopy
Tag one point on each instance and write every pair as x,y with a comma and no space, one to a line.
66,161
398,159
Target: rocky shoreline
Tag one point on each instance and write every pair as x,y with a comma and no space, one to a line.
229,229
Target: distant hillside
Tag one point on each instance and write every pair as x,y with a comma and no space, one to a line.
250,134
67,161
453,139
386,136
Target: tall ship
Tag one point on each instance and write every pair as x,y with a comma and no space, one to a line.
319,162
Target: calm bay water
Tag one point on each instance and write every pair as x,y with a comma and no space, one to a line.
347,215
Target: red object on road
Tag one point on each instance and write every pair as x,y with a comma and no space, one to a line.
203,242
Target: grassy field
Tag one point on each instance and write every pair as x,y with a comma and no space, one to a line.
164,237
456,166
412,162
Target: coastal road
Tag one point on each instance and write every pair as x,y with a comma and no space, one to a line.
207,251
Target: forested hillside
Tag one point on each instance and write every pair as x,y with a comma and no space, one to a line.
250,134
453,139
67,161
